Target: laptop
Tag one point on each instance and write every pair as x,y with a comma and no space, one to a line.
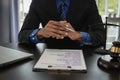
9,56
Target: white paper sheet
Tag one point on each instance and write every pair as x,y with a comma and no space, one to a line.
61,58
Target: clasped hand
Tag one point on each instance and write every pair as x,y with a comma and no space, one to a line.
58,30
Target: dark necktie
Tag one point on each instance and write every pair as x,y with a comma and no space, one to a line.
62,10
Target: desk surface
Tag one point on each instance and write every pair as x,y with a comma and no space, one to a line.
23,69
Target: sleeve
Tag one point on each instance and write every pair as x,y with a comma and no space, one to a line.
31,23
33,37
86,38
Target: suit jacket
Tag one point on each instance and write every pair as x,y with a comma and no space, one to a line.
81,14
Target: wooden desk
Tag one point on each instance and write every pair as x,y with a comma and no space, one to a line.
23,70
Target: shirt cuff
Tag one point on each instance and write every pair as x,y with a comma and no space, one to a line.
85,38
33,37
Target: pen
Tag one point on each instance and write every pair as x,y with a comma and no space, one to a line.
69,29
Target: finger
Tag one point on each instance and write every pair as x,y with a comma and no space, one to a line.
68,25
69,28
60,32
62,22
53,27
56,29
55,23
50,33
57,36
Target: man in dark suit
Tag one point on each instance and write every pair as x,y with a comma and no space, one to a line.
65,25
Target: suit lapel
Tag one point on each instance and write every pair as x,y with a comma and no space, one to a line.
52,8
74,6
70,9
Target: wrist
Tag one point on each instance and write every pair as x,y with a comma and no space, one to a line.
39,34
80,36
86,37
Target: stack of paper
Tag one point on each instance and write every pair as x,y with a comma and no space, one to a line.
61,59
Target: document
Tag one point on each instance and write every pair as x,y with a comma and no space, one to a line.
61,59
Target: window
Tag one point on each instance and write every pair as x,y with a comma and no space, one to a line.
107,7
110,9
101,6
23,9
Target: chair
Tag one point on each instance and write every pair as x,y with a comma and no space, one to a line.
109,22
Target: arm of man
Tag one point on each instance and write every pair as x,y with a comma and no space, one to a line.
31,23
97,32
